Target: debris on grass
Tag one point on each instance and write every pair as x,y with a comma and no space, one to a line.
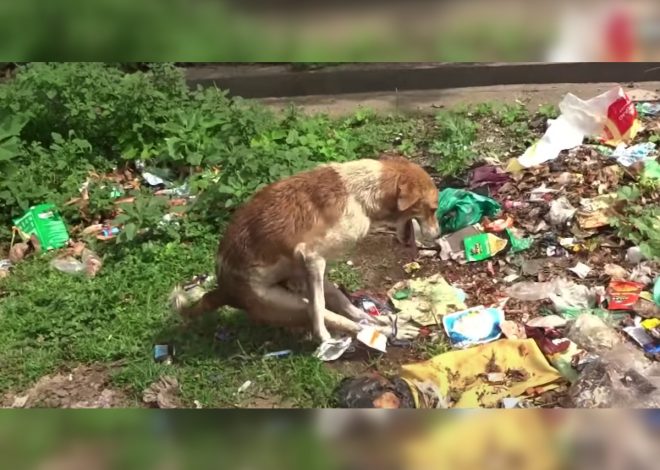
333,348
164,393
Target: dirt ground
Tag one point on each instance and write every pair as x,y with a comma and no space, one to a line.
429,101
81,387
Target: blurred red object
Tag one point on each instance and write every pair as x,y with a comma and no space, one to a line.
620,37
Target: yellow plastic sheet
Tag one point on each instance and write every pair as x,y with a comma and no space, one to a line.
462,375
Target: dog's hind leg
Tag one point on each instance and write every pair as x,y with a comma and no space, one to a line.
338,302
278,306
314,265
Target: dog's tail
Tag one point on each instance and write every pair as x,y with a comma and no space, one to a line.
196,302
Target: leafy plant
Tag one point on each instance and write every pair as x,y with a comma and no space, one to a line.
452,146
638,216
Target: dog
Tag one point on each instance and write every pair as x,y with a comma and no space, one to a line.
278,242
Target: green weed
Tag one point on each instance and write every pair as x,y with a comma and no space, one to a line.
452,144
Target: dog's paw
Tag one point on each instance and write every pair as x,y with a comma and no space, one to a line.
178,299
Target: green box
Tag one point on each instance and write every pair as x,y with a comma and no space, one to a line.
45,222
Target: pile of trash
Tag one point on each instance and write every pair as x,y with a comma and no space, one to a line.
42,227
575,320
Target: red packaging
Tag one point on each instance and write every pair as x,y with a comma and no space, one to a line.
621,116
622,295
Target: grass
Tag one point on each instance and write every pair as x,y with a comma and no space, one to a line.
50,320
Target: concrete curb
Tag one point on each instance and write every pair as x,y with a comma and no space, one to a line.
280,81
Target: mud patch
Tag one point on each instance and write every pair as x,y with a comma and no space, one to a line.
86,386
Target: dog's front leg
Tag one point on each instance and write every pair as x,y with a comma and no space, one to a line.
314,265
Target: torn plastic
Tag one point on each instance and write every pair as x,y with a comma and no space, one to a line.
458,208
561,212
529,291
592,334
628,156
566,296
619,378
611,115
333,348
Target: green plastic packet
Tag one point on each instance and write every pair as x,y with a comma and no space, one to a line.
458,208
483,246
518,244
652,170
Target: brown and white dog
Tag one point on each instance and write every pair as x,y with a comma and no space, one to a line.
282,237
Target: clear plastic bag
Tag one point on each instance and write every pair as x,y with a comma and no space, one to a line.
69,265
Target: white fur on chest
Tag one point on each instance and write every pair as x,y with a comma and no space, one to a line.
350,228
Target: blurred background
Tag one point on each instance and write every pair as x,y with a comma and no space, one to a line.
330,31
329,439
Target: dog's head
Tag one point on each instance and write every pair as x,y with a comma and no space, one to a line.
413,194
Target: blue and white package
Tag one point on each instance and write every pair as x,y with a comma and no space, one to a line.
476,325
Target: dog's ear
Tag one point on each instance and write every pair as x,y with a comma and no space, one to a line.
406,196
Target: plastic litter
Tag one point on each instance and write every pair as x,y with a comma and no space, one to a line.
69,265
530,291
489,176
592,334
620,377
563,361
498,225
247,384
643,339
483,246
634,255
5,266
643,273
615,271
370,305
46,224
646,308
451,246
373,338
278,354
473,326
561,212
567,296
462,376
372,390
333,348
426,299
628,156
581,270
547,321
611,115
622,295
648,109
651,170
164,353
518,244
656,291
458,208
